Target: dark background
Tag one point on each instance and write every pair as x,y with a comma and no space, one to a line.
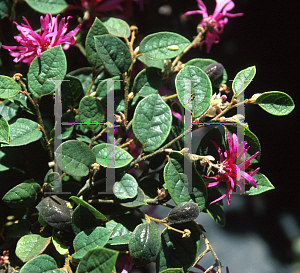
267,36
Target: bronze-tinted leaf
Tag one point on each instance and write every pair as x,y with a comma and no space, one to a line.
55,212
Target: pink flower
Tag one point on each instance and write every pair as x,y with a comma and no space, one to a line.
124,263
231,170
50,35
215,23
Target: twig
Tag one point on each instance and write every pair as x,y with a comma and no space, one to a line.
39,116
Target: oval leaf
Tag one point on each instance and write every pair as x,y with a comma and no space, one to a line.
203,64
91,113
116,27
137,201
55,212
263,185
98,28
144,243
74,157
175,177
95,212
8,87
114,54
30,246
71,92
152,122
163,45
178,252
4,130
52,65
146,83
185,212
242,80
41,264
192,80
45,6
22,132
89,239
276,103
83,219
98,260
22,195
125,187
111,156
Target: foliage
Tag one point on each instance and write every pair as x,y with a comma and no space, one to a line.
116,159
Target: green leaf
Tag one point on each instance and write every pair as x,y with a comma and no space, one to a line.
111,156
101,91
83,219
19,229
146,83
178,252
250,137
173,270
8,109
242,80
98,260
45,6
4,130
5,8
85,75
22,195
89,239
95,212
276,103
29,246
41,264
144,243
23,131
114,54
59,246
91,113
71,92
152,122
137,201
151,63
74,157
163,45
116,27
98,28
66,130
200,84
203,64
52,65
207,148
125,186
263,185
175,180
122,228
184,212
55,212
8,87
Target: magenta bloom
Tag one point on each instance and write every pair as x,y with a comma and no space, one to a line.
50,35
232,168
214,23
124,263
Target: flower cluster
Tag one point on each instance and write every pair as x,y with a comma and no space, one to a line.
232,169
33,44
214,24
